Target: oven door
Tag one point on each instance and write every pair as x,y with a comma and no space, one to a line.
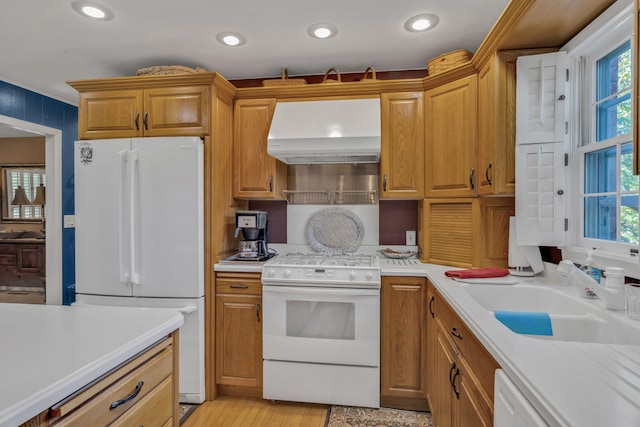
321,325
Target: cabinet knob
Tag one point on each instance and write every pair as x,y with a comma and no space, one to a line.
455,333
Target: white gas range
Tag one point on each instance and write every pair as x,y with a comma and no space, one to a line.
321,328
323,269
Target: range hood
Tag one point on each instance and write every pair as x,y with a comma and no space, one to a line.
326,132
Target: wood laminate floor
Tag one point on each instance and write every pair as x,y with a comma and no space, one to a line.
244,412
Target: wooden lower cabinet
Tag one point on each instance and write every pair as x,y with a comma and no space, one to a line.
238,348
141,391
461,371
403,340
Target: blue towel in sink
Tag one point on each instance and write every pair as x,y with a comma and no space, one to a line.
526,322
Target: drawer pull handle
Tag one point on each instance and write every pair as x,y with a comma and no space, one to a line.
433,315
133,395
145,122
239,286
486,174
258,312
455,333
137,121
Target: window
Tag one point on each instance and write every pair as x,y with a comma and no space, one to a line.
16,179
608,190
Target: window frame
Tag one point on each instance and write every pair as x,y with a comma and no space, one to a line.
600,38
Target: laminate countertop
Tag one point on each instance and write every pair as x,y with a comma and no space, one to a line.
49,352
569,383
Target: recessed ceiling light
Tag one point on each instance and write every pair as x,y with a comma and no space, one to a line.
423,22
229,38
92,10
322,31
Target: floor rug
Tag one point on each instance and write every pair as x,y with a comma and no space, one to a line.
384,417
186,409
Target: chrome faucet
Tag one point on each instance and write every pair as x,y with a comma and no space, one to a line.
613,295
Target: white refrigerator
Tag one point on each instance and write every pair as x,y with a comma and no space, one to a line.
139,234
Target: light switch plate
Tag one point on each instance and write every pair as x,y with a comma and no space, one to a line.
69,221
411,238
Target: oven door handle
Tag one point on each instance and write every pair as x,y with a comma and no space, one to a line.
317,290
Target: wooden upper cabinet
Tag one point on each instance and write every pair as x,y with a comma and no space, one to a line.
110,114
450,139
466,232
496,126
176,111
256,175
126,113
402,146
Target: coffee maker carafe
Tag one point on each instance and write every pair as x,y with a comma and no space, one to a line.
253,225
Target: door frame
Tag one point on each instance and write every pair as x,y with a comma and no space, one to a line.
53,170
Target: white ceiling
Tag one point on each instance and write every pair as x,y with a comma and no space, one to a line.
45,43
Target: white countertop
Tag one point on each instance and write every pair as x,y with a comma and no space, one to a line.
49,352
569,383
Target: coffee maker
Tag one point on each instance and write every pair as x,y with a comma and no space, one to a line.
253,225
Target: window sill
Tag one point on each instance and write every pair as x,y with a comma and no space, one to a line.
602,260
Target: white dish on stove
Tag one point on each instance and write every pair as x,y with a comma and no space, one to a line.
335,230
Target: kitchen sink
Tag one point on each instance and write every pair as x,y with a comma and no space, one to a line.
572,318
526,298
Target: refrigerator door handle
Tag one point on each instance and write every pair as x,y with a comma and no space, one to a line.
132,157
123,261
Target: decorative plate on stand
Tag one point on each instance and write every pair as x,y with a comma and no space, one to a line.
335,230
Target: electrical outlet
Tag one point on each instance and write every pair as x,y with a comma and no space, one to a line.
411,238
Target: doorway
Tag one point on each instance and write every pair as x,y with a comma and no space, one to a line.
10,127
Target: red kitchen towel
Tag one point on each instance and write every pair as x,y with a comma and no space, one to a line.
477,273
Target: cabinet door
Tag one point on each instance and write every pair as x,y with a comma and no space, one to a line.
432,341
402,146
176,111
255,173
30,259
403,343
239,340
445,364
448,230
473,407
496,126
450,139
110,114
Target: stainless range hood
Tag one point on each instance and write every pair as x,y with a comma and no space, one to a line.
326,132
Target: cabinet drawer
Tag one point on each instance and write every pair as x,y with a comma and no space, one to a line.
238,283
7,260
96,410
480,361
152,410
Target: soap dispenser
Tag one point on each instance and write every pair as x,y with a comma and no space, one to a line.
589,269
